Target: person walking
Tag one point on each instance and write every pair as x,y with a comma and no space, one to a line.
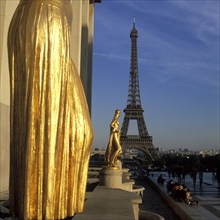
200,178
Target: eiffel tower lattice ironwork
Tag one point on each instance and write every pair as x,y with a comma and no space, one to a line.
134,111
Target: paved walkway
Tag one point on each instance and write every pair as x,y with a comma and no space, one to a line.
208,196
152,202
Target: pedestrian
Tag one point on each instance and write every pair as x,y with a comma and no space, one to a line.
200,177
194,173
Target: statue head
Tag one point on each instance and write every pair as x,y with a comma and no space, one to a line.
117,112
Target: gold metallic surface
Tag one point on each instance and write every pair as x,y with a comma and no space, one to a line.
111,167
51,132
114,147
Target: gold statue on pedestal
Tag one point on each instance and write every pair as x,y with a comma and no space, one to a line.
51,131
114,147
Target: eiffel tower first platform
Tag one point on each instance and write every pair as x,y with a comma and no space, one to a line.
134,111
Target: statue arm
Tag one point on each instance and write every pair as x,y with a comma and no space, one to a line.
114,126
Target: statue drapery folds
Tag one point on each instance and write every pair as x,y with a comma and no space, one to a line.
51,132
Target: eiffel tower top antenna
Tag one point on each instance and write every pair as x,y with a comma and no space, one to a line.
134,22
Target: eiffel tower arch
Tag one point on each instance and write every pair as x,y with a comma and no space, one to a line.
134,111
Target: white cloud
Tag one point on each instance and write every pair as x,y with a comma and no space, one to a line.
178,39
111,56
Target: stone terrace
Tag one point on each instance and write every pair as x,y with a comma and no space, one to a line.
208,196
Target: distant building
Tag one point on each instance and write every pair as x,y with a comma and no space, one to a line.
187,152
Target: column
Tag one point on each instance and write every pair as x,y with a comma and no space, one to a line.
7,9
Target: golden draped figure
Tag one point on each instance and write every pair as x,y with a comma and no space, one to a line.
114,147
51,132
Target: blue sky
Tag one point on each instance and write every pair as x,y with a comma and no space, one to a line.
178,58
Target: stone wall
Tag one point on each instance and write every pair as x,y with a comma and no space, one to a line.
6,12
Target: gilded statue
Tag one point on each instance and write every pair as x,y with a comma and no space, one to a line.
51,131
114,147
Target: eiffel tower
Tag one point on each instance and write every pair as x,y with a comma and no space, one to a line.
134,111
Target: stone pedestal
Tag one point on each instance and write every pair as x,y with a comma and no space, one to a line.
110,177
118,178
